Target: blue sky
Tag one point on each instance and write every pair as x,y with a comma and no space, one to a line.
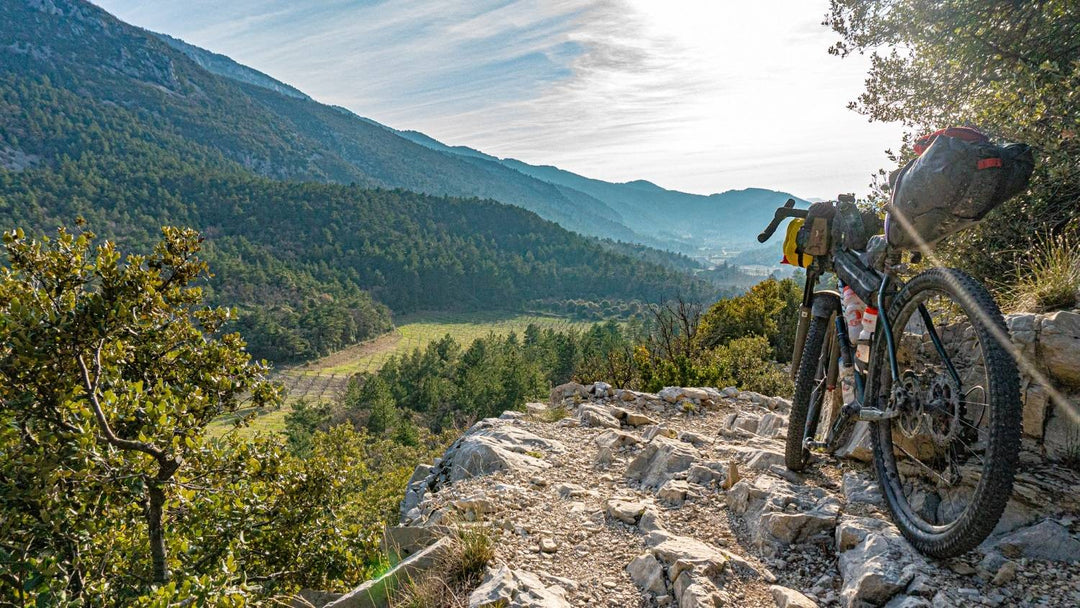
697,95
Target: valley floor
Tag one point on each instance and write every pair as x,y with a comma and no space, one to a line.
327,378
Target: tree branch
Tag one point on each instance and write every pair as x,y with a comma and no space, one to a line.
99,414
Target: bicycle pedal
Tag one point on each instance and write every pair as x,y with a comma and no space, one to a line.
872,414
810,444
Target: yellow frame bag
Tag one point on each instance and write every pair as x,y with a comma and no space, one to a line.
792,255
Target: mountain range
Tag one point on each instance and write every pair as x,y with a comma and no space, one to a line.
318,225
637,211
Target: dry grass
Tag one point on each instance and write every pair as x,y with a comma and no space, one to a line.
552,414
1051,278
455,576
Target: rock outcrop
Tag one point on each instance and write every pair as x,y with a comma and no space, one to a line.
680,499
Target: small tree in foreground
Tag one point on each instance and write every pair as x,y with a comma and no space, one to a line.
110,371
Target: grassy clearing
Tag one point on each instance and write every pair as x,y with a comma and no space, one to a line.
326,378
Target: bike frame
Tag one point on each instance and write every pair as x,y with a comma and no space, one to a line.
864,381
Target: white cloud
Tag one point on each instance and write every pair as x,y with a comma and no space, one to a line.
699,95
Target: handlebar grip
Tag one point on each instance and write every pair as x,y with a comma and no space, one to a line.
788,210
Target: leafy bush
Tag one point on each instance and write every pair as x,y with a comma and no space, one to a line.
111,491
746,363
769,309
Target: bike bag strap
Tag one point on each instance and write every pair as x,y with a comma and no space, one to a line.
862,280
826,303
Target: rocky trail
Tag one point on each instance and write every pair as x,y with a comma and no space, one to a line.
681,499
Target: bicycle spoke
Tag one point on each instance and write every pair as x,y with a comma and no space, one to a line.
921,463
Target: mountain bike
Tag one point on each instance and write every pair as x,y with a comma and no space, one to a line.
938,391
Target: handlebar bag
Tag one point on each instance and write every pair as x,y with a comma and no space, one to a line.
792,254
813,237
953,184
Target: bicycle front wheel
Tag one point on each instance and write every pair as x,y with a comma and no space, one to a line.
946,462
810,390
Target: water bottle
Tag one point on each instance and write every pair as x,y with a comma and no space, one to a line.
866,332
853,309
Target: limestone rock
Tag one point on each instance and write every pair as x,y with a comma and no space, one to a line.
695,439
636,419
876,562
602,390
488,447
1046,540
567,491
790,598
1061,439
515,589
671,549
1059,345
375,593
763,459
624,510
670,394
705,475
673,492
908,601
779,513
861,489
771,425
746,421
570,389
648,574
660,460
858,446
616,440
597,416
659,430
690,566
733,476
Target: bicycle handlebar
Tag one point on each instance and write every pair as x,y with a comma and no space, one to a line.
788,210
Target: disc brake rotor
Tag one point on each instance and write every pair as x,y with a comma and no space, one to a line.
907,401
941,412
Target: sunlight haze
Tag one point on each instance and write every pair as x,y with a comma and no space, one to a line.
701,96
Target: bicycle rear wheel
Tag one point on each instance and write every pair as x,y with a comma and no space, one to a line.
946,463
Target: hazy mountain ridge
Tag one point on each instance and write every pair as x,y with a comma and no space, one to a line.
213,101
685,220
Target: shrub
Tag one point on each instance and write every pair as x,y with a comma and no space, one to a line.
747,363
1050,280
769,309
455,575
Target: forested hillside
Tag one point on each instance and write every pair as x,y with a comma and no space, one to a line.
102,121
300,257
251,119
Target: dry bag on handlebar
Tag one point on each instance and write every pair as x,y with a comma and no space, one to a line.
959,177
792,253
813,236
